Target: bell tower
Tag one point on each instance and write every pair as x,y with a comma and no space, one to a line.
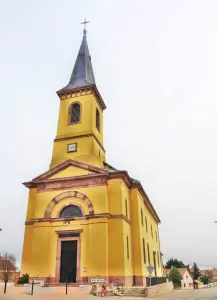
80,124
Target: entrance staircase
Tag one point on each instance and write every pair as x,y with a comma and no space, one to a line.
61,284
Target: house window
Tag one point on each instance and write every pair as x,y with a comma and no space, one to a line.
74,113
97,120
151,231
126,212
142,217
146,224
149,261
186,276
156,235
128,253
70,211
144,253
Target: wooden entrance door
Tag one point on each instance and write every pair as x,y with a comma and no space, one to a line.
68,263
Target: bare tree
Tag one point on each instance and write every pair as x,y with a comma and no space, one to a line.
7,265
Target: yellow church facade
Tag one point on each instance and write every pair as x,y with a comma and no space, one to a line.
85,219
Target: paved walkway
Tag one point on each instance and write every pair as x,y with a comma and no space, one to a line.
58,293
44,293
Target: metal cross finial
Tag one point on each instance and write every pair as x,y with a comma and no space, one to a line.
85,22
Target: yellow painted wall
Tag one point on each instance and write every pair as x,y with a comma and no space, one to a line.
87,152
88,105
126,207
40,263
140,232
27,250
119,230
98,152
42,200
116,250
137,261
98,248
127,260
114,193
31,204
86,146
103,241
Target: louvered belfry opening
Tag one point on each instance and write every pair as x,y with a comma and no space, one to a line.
75,113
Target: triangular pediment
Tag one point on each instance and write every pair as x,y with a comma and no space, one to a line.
69,168
71,171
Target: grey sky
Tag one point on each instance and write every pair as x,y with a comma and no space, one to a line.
155,65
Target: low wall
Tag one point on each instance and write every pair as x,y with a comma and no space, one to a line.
149,292
12,276
160,289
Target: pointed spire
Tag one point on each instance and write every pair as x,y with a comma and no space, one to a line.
82,74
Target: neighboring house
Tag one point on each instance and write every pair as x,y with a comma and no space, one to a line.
187,281
8,270
212,273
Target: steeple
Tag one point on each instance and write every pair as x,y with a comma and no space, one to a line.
82,78
82,74
80,123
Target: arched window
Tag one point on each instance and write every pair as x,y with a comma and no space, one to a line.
149,260
71,211
142,217
75,113
144,252
128,252
97,120
126,210
146,224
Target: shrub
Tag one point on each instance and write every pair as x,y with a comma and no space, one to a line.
23,279
176,277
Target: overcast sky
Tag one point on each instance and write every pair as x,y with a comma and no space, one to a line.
155,64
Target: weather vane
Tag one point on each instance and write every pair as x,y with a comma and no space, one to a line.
84,23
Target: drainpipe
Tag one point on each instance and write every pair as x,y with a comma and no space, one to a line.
132,239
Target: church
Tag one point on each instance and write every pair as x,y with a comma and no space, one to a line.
87,220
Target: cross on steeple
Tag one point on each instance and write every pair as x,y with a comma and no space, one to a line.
82,74
84,23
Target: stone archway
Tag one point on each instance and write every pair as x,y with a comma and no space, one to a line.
64,195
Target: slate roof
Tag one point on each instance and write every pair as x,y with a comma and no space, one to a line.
82,74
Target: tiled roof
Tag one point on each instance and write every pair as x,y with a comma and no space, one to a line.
10,265
181,270
206,272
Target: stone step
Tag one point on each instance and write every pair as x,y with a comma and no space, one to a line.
61,284
129,296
